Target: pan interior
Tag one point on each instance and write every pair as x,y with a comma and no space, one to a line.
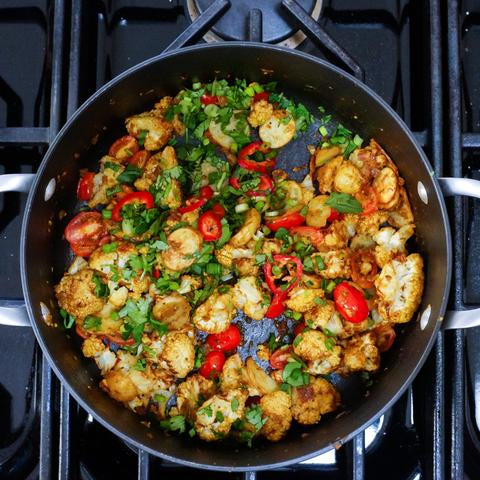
100,121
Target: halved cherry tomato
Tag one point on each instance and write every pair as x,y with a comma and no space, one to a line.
350,302
139,159
299,328
279,357
364,268
313,235
206,192
225,341
210,226
287,220
218,210
134,197
80,331
265,185
84,232
368,198
248,164
209,99
277,306
385,337
334,215
281,261
261,96
212,365
124,147
85,186
118,339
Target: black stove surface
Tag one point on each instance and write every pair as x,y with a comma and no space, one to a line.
390,40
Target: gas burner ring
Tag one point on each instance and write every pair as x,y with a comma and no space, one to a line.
283,34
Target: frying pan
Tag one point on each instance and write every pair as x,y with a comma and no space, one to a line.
44,253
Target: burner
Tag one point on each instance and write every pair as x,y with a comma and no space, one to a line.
234,24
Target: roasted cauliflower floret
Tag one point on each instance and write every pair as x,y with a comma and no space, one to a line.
391,242
159,131
318,212
248,296
400,287
325,175
119,257
277,409
228,254
215,314
173,309
93,347
231,376
178,355
368,224
361,353
278,130
260,112
103,180
184,243
302,299
402,214
336,262
191,393
325,317
215,417
250,225
314,345
119,385
312,401
76,293
348,178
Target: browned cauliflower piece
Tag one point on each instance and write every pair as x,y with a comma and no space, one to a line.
192,392
103,180
402,215
400,287
277,409
391,242
302,299
93,347
325,175
248,296
271,246
229,255
215,314
361,353
312,401
76,293
215,417
159,131
337,263
313,345
278,130
367,224
260,112
231,376
119,385
178,355
325,317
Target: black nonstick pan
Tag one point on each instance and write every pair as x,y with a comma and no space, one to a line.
44,252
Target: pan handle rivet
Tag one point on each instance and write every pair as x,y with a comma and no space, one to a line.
422,193
425,317
50,189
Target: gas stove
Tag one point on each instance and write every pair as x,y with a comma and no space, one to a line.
420,57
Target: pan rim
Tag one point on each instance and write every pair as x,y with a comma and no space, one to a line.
302,57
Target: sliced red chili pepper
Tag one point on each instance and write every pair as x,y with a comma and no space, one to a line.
334,215
209,99
85,186
281,261
225,341
212,365
210,226
265,185
124,147
299,328
248,164
287,220
365,277
206,192
277,306
192,204
313,235
218,210
368,198
80,331
279,357
350,302
139,159
118,340
261,96
156,273
134,197
235,183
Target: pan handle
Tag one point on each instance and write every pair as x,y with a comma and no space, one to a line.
470,188
16,182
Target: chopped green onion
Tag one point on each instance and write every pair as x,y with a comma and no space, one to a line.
242,207
273,213
323,131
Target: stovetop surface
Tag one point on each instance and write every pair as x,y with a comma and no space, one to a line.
389,39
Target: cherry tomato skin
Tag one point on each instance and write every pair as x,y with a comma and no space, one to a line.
210,226
206,192
80,332
385,337
139,159
261,96
288,221
209,99
225,341
84,232
277,306
156,273
124,147
212,365
334,215
368,198
313,234
279,357
299,328
356,260
350,302
218,210
85,187
118,340
134,197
